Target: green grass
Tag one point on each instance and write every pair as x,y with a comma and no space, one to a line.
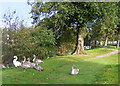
111,47
92,71
109,74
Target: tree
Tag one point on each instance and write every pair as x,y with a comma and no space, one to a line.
118,27
65,36
10,20
105,26
117,36
12,23
68,14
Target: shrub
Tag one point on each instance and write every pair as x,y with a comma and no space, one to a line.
39,41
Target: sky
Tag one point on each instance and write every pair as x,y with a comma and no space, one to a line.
20,6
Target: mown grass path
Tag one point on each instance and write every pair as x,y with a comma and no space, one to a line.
108,54
105,55
92,71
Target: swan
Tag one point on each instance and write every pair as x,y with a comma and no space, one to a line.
31,64
2,66
7,66
37,60
74,71
39,68
25,64
15,62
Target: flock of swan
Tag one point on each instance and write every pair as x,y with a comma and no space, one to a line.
26,64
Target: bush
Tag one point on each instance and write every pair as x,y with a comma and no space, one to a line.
38,41
66,48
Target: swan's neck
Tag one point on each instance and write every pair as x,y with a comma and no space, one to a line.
24,59
34,58
15,59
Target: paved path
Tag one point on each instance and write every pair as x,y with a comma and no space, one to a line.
105,55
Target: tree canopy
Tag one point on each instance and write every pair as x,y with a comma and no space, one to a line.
66,15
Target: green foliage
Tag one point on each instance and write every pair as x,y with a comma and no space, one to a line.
66,13
38,41
67,18
106,24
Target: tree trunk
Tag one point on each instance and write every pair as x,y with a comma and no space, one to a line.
101,43
118,43
80,42
106,41
95,43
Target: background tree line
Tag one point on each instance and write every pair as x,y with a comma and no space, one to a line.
65,27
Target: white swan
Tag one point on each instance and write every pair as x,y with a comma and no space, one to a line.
37,60
15,62
74,71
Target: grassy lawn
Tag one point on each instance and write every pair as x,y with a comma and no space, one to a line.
93,71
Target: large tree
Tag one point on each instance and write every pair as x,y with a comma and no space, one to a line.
68,14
